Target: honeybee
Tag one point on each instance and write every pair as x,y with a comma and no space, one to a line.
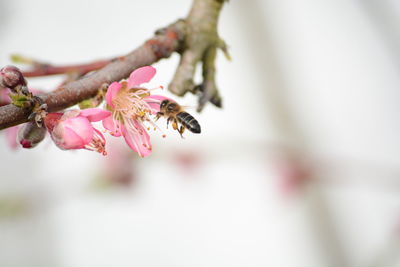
176,114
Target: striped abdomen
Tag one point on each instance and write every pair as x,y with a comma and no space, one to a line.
189,122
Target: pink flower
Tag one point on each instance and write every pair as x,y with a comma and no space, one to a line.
73,129
131,106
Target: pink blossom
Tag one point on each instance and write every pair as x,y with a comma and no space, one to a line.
11,136
131,106
73,129
293,173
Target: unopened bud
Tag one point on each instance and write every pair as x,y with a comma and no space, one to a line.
29,135
11,77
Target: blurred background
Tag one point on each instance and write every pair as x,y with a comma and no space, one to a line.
300,168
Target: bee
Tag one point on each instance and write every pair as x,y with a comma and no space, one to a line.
176,114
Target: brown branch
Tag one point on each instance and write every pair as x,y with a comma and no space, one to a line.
201,44
43,69
160,46
199,29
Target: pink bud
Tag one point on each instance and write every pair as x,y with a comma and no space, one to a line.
73,130
11,77
29,135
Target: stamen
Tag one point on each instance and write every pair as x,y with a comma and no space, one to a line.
98,143
132,107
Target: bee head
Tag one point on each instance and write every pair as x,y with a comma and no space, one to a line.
171,106
163,104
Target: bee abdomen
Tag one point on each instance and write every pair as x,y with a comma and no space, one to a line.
189,122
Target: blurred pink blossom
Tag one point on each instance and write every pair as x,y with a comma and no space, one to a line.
11,136
293,173
11,133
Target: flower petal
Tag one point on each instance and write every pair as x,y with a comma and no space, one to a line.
95,114
111,92
73,133
71,140
141,75
112,126
154,101
139,141
51,120
80,126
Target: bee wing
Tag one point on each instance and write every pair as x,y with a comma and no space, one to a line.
188,107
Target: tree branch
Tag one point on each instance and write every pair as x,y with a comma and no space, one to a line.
160,46
174,38
43,69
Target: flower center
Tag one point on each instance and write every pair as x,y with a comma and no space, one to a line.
98,143
129,103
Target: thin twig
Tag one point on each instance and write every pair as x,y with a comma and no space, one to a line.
48,69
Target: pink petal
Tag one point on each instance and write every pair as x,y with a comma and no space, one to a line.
66,137
71,140
51,120
80,126
141,75
112,126
139,142
99,135
154,101
95,114
112,91
4,96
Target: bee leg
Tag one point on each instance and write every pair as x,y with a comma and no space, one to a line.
181,130
168,120
175,124
159,114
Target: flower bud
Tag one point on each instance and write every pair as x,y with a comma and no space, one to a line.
29,135
73,129
11,77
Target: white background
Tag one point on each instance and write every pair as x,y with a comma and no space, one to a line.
317,77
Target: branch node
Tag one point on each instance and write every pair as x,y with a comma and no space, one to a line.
200,44
39,111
